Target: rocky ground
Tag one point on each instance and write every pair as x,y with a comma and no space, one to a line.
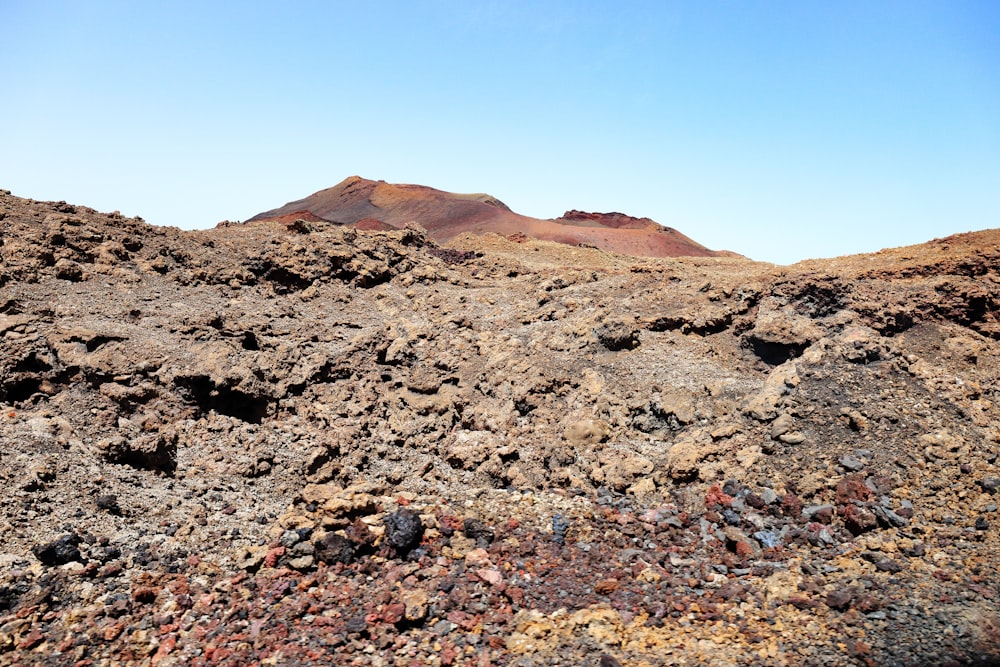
288,443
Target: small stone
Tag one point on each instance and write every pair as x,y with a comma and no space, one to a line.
781,425
839,599
617,335
302,562
394,613
478,558
792,438
769,496
889,518
852,488
851,463
982,524
990,484
768,539
59,551
888,565
490,576
475,529
356,624
859,519
791,506
108,503
443,627
559,527
731,487
812,511
403,529
606,586
289,538
609,661
415,603
334,548
965,468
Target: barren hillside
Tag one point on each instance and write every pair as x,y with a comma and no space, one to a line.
444,215
300,443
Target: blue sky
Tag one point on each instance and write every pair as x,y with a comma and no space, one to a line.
781,130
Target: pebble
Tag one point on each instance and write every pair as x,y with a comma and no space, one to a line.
840,599
559,527
812,510
475,529
289,539
334,548
731,517
59,551
767,539
851,463
403,529
108,503
990,484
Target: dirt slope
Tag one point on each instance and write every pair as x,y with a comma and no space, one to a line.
446,215
304,444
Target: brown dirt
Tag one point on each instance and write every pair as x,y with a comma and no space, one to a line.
304,444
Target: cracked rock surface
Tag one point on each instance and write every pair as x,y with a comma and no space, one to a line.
307,444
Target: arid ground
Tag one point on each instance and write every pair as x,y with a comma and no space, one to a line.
297,442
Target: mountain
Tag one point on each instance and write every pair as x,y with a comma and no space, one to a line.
446,215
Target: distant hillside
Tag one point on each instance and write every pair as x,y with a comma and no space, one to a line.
361,202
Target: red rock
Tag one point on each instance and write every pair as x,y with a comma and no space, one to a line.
859,519
112,632
271,559
31,640
393,613
167,645
791,506
716,497
852,488
145,594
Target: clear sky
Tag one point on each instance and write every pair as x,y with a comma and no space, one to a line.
780,130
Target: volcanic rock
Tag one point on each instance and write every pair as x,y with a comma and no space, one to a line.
331,444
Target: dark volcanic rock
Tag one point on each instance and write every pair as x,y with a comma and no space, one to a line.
59,551
403,529
334,548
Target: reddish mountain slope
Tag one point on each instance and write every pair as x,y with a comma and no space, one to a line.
364,203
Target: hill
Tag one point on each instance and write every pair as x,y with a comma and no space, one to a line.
446,215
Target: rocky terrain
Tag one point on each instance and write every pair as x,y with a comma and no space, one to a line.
377,205
293,442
